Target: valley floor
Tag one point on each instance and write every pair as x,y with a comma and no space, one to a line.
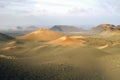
81,58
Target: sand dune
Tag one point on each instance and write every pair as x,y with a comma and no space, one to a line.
10,48
102,47
11,42
67,40
78,37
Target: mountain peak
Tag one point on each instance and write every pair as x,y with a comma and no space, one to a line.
42,34
65,28
107,27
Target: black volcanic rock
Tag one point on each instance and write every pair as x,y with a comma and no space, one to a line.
4,37
65,28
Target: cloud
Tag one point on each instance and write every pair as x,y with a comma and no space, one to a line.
61,7
9,2
80,11
111,6
57,11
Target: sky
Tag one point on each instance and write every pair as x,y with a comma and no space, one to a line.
58,12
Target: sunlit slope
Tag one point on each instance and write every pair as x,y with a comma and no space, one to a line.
51,52
67,40
25,47
41,35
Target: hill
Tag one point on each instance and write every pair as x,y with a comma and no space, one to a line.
42,61
107,27
103,27
4,37
65,28
42,34
106,30
62,57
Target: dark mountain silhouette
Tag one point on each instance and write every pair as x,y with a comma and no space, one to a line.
65,28
4,37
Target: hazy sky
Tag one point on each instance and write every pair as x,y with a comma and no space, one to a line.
51,12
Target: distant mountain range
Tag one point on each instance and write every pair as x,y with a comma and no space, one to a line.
20,31
65,28
17,31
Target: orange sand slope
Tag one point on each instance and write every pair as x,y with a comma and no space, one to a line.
42,35
67,40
